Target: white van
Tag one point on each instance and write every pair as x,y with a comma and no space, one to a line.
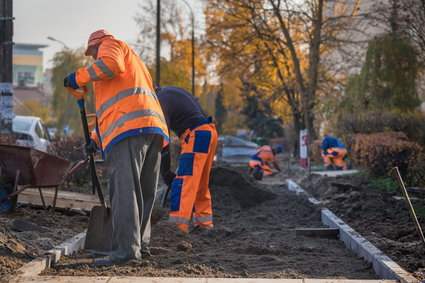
31,132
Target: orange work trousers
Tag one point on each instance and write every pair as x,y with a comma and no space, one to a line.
267,171
190,194
336,156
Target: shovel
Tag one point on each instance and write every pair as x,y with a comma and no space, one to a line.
99,231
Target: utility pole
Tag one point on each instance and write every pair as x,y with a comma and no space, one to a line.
158,44
193,46
6,72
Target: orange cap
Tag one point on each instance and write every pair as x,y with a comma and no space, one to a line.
97,37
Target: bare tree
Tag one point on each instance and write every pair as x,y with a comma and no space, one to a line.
403,16
172,28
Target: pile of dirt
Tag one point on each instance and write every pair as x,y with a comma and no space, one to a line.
253,237
378,216
29,232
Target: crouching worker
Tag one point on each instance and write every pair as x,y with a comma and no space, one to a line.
190,195
259,163
334,152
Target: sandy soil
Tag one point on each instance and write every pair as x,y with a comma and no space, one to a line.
44,230
253,237
375,214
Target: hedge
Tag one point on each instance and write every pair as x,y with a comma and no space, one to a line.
379,153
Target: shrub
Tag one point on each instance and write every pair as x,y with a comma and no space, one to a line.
8,139
70,148
411,124
378,153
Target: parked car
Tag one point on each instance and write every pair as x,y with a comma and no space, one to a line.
235,150
31,132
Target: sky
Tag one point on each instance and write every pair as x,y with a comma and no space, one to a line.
72,22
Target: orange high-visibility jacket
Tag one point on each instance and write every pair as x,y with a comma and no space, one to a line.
126,103
264,154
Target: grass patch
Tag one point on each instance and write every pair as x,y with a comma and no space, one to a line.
387,184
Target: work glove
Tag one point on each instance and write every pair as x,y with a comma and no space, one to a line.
70,81
90,147
168,177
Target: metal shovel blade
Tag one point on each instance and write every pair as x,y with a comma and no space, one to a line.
99,232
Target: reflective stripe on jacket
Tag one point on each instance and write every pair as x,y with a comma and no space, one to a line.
126,103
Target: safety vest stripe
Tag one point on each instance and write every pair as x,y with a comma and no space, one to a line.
176,219
121,95
202,219
93,75
105,69
131,116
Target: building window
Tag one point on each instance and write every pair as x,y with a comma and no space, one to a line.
25,79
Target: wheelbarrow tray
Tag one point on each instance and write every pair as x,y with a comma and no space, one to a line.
36,168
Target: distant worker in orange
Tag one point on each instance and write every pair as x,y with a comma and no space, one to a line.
259,162
131,133
190,194
334,152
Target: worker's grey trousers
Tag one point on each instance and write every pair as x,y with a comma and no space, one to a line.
133,166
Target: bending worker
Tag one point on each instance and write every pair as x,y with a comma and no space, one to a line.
190,195
334,151
131,132
259,162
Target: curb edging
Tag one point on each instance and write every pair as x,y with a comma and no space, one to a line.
36,266
383,266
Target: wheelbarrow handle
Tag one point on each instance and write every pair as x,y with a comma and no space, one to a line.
94,177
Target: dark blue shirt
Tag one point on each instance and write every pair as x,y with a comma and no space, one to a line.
181,109
329,141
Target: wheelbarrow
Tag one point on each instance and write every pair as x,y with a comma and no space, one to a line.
23,167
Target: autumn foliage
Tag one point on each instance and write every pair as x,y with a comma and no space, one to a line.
411,124
378,153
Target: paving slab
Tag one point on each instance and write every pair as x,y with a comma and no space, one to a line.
334,173
52,256
117,279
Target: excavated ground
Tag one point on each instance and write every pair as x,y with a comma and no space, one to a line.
253,237
29,232
253,234
377,215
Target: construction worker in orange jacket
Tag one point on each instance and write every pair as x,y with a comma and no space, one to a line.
190,195
131,132
334,151
259,162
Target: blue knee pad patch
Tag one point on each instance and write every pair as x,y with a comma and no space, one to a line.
185,164
202,141
176,192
